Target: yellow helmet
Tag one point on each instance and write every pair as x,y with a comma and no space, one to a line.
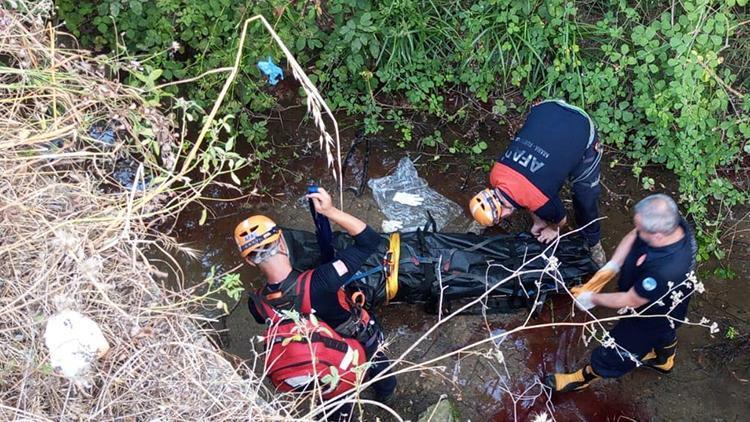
255,232
486,207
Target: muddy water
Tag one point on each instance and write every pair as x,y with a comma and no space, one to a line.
710,380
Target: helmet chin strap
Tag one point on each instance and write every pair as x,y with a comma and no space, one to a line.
277,272
283,248
503,199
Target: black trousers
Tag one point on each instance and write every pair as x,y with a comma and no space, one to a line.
586,188
637,341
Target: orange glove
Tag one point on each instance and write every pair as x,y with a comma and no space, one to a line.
599,280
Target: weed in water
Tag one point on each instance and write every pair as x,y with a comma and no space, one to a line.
731,333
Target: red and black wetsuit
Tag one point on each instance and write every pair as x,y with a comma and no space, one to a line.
556,143
327,279
325,284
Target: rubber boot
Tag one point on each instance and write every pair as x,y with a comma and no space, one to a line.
661,359
565,382
598,255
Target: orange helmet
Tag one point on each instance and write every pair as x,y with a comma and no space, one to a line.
255,232
486,207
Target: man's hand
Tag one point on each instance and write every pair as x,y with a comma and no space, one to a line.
324,205
322,201
584,301
538,226
547,234
536,229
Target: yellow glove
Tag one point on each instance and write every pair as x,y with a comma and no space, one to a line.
599,280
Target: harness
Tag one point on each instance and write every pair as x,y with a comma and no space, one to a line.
294,294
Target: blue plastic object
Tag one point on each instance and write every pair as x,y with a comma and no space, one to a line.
104,135
322,229
125,174
271,70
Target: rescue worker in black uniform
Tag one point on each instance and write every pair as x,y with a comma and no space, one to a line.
657,259
262,244
557,142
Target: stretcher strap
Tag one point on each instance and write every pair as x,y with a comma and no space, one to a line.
323,230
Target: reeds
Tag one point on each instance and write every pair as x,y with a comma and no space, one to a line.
71,237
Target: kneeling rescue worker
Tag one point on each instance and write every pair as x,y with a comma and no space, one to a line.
262,244
557,142
656,259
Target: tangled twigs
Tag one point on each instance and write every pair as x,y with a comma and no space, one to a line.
70,238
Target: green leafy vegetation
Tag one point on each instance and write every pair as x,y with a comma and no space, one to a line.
731,333
725,273
665,82
229,285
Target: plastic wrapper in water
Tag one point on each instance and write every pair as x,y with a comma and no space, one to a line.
406,180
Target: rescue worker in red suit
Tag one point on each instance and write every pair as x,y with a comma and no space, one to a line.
262,245
557,142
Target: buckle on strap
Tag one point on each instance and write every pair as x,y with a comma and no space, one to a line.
374,335
358,298
258,239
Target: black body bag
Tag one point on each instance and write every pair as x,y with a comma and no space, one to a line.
462,266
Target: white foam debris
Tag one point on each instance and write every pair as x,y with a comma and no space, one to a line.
74,341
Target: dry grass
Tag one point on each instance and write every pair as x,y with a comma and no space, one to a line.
70,238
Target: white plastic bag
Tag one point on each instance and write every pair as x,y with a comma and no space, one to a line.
397,195
74,342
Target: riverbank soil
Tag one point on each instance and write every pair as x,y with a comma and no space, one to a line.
711,376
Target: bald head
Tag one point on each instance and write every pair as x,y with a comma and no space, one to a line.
658,214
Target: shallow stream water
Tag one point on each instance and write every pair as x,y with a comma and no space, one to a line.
710,378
